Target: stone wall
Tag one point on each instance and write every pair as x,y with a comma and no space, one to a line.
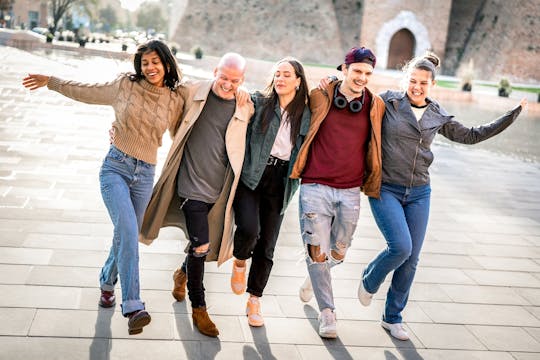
501,37
268,29
505,42
427,20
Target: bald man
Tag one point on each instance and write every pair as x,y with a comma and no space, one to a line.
196,188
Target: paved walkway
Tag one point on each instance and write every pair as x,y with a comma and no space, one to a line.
476,294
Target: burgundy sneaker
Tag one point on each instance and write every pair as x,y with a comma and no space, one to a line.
107,299
137,320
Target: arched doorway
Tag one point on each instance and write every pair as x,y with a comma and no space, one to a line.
401,49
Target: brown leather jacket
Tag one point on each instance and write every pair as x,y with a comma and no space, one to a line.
320,103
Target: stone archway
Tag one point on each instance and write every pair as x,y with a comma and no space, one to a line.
401,49
404,20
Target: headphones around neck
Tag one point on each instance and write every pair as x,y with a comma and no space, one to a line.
341,102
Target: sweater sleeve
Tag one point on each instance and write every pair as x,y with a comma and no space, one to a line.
457,132
99,94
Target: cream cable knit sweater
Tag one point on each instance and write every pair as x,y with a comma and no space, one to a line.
142,111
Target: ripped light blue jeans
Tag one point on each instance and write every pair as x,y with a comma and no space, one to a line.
328,218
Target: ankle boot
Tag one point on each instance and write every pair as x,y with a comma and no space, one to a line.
179,289
202,321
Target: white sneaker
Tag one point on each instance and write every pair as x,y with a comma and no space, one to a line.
364,297
396,330
306,290
327,324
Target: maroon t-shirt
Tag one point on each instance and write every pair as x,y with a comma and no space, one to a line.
338,153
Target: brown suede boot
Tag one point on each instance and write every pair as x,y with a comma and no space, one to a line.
180,280
202,321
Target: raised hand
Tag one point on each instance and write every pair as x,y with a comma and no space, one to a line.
35,81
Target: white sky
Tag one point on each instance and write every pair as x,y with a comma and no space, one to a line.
132,5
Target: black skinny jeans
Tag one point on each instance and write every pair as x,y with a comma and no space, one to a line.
258,220
196,214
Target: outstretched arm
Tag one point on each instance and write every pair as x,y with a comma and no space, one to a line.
455,131
35,81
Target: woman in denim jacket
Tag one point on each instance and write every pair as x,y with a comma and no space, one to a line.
411,121
275,135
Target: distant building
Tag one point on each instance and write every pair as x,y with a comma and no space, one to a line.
25,14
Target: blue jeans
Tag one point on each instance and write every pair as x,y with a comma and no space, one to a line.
126,187
328,218
401,214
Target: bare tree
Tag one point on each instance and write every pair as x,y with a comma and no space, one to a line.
60,7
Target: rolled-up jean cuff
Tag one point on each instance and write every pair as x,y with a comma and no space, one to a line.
107,287
130,306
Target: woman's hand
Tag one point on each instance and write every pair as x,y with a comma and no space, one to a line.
523,103
112,134
323,84
242,96
35,81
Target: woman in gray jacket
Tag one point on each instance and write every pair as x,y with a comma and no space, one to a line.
411,121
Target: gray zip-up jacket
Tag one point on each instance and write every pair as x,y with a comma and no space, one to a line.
406,142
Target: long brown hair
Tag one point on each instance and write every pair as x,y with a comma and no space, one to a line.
295,108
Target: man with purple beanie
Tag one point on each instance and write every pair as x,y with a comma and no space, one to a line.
340,157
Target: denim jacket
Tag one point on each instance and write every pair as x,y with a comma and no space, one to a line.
259,144
406,142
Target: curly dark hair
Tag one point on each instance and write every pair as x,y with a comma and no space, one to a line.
173,75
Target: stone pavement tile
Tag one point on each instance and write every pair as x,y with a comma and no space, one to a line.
445,247
231,351
448,261
501,239
72,228
474,314
535,310
525,356
352,309
442,276
505,263
503,278
14,274
508,251
429,354
230,328
155,261
291,253
534,332
283,331
450,235
11,255
163,246
483,295
15,321
47,348
152,349
439,336
493,219
333,352
63,276
533,239
12,238
231,304
82,258
66,241
369,333
103,323
424,292
31,296
505,338
510,229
